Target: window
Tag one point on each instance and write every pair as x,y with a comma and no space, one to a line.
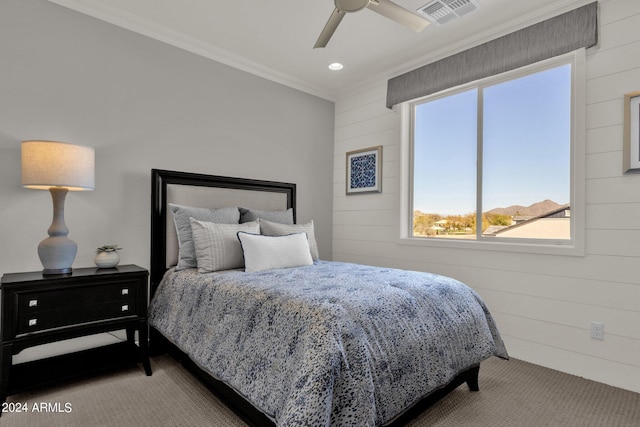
494,161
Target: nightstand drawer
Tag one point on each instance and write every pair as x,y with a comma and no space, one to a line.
43,320
75,297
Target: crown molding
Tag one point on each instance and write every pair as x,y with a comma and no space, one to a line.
174,38
144,27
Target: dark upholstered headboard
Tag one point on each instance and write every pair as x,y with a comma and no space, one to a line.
206,191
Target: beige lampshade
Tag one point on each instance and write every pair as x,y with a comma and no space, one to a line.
47,164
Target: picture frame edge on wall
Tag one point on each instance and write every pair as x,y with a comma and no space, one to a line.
631,133
376,170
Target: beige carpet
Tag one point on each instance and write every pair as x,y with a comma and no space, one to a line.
512,393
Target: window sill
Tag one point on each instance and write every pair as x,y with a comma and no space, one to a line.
566,249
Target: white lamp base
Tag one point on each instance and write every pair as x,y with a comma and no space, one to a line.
57,251
57,254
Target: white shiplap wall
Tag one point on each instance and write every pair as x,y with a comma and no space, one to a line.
543,304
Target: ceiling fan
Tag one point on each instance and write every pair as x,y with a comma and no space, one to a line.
385,8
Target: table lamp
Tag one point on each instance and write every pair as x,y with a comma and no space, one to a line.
58,167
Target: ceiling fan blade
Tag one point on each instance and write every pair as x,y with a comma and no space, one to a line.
399,14
329,28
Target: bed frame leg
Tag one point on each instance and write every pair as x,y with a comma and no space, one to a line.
472,380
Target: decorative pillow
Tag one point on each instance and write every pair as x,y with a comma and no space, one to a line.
217,246
282,217
181,215
273,229
269,252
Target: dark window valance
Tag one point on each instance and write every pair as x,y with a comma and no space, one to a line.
552,37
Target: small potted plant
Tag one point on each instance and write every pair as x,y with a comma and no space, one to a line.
107,256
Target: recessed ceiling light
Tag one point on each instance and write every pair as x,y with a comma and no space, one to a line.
335,66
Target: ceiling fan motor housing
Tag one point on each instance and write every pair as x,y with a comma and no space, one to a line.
351,5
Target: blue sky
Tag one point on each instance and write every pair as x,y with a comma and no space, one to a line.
526,152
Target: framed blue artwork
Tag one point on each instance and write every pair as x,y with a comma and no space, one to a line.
631,133
364,170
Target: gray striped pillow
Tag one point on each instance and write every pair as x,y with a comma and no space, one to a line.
181,215
217,245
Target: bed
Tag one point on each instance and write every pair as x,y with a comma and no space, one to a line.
318,342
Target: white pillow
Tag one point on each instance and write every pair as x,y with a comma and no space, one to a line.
217,246
269,228
269,252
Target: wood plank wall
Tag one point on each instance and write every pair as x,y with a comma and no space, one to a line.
543,304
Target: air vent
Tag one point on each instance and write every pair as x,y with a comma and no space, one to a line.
442,11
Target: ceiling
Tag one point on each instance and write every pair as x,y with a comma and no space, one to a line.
274,38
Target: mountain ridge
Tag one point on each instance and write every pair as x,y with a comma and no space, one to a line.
536,209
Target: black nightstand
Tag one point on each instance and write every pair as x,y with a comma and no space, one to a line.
38,309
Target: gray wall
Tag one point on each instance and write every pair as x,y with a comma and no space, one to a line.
142,104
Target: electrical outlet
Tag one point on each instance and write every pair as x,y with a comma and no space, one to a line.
597,330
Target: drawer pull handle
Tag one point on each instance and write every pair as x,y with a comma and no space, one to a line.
125,291
125,307
33,322
33,303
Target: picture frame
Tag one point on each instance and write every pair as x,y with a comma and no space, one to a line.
364,171
631,133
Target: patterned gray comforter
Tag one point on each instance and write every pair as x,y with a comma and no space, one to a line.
328,344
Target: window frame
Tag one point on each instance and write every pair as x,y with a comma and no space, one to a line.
573,246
